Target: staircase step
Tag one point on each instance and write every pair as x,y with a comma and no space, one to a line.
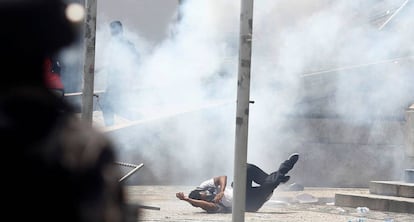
392,188
376,202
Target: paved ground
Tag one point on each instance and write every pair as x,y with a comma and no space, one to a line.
311,204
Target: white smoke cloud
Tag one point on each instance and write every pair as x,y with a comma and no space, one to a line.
331,47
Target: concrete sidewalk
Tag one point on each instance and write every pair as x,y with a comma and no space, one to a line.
311,204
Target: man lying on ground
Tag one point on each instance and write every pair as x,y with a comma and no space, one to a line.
214,196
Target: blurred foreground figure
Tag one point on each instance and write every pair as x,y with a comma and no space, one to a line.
53,79
55,167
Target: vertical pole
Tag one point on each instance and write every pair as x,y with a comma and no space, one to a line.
242,112
89,66
409,134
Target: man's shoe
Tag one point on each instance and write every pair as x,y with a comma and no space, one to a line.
288,164
294,157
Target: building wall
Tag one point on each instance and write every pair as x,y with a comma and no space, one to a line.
340,154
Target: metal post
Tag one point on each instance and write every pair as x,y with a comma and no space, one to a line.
89,66
242,113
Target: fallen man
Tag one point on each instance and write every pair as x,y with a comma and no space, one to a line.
214,196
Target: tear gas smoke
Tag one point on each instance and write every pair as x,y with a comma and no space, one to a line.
197,64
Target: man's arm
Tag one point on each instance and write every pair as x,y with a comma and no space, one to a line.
222,182
207,206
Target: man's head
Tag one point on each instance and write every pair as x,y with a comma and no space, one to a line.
202,194
116,28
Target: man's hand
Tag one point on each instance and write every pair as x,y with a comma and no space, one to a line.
181,196
218,197
207,206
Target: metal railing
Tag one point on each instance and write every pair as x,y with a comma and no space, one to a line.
134,167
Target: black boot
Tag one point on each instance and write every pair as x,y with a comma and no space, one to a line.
288,164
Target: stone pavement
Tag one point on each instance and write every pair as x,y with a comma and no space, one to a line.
311,204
